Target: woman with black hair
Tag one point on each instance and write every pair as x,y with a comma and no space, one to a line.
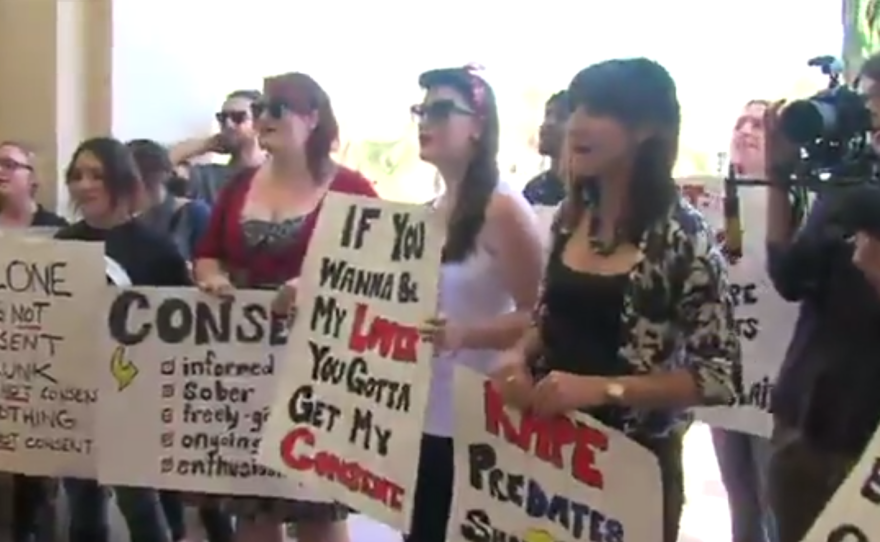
636,321
105,187
491,267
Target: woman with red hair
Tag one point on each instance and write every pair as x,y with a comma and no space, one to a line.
257,238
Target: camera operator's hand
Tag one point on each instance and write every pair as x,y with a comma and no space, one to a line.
779,152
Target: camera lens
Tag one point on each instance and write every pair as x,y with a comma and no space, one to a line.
804,121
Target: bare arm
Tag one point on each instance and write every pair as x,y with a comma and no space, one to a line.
186,150
513,239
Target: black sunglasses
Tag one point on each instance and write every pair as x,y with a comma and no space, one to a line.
275,108
13,165
438,111
237,117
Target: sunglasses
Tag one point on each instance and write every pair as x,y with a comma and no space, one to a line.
274,108
439,111
13,165
237,117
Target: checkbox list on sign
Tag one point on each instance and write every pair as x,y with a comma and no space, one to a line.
167,439
167,415
167,391
167,367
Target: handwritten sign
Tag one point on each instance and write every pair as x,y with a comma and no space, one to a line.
47,328
853,513
185,391
518,477
765,321
351,402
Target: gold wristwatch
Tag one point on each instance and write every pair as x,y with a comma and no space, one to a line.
615,392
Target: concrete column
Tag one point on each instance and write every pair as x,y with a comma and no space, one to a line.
54,57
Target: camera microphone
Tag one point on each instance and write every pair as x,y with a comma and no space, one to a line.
733,233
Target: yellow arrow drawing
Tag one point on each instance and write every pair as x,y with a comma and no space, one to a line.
123,371
538,535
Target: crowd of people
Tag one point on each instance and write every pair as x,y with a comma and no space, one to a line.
630,318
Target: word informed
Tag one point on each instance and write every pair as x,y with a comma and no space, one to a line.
853,514
349,411
763,320
47,394
564,479
185,392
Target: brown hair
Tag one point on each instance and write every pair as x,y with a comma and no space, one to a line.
481,177
304,95
30,154
638,93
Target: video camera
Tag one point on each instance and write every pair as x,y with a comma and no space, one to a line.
832,130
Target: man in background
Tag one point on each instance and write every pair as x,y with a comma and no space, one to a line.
548,188
236,138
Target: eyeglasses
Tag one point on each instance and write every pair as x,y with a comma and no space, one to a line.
237,117
9,164
438,111
275,108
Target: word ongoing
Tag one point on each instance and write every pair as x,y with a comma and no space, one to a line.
354,375
304,408
175,321
23,277
549,439
202,440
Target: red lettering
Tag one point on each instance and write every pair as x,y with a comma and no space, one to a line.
349,474
389,338
548,438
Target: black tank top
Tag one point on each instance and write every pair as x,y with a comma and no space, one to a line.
581,327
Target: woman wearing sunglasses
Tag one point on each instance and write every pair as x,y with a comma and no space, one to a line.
257,238
491,267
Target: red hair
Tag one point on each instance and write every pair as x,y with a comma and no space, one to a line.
306,96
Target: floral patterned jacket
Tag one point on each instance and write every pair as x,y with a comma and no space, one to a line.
678,313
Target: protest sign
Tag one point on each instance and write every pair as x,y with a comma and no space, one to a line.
185,389
48,310
350,405
764,321
853,513
518,477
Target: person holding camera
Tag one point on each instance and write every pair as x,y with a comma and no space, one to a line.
824,403
236,138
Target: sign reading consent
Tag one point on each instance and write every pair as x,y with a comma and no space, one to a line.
185,389
518,477
351,399
48,396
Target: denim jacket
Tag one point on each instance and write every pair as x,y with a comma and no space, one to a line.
678,313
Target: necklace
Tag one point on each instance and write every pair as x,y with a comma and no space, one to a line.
591,196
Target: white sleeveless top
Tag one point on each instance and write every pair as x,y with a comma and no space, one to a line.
470,292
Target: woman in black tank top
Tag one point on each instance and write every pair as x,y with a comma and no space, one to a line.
636,323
